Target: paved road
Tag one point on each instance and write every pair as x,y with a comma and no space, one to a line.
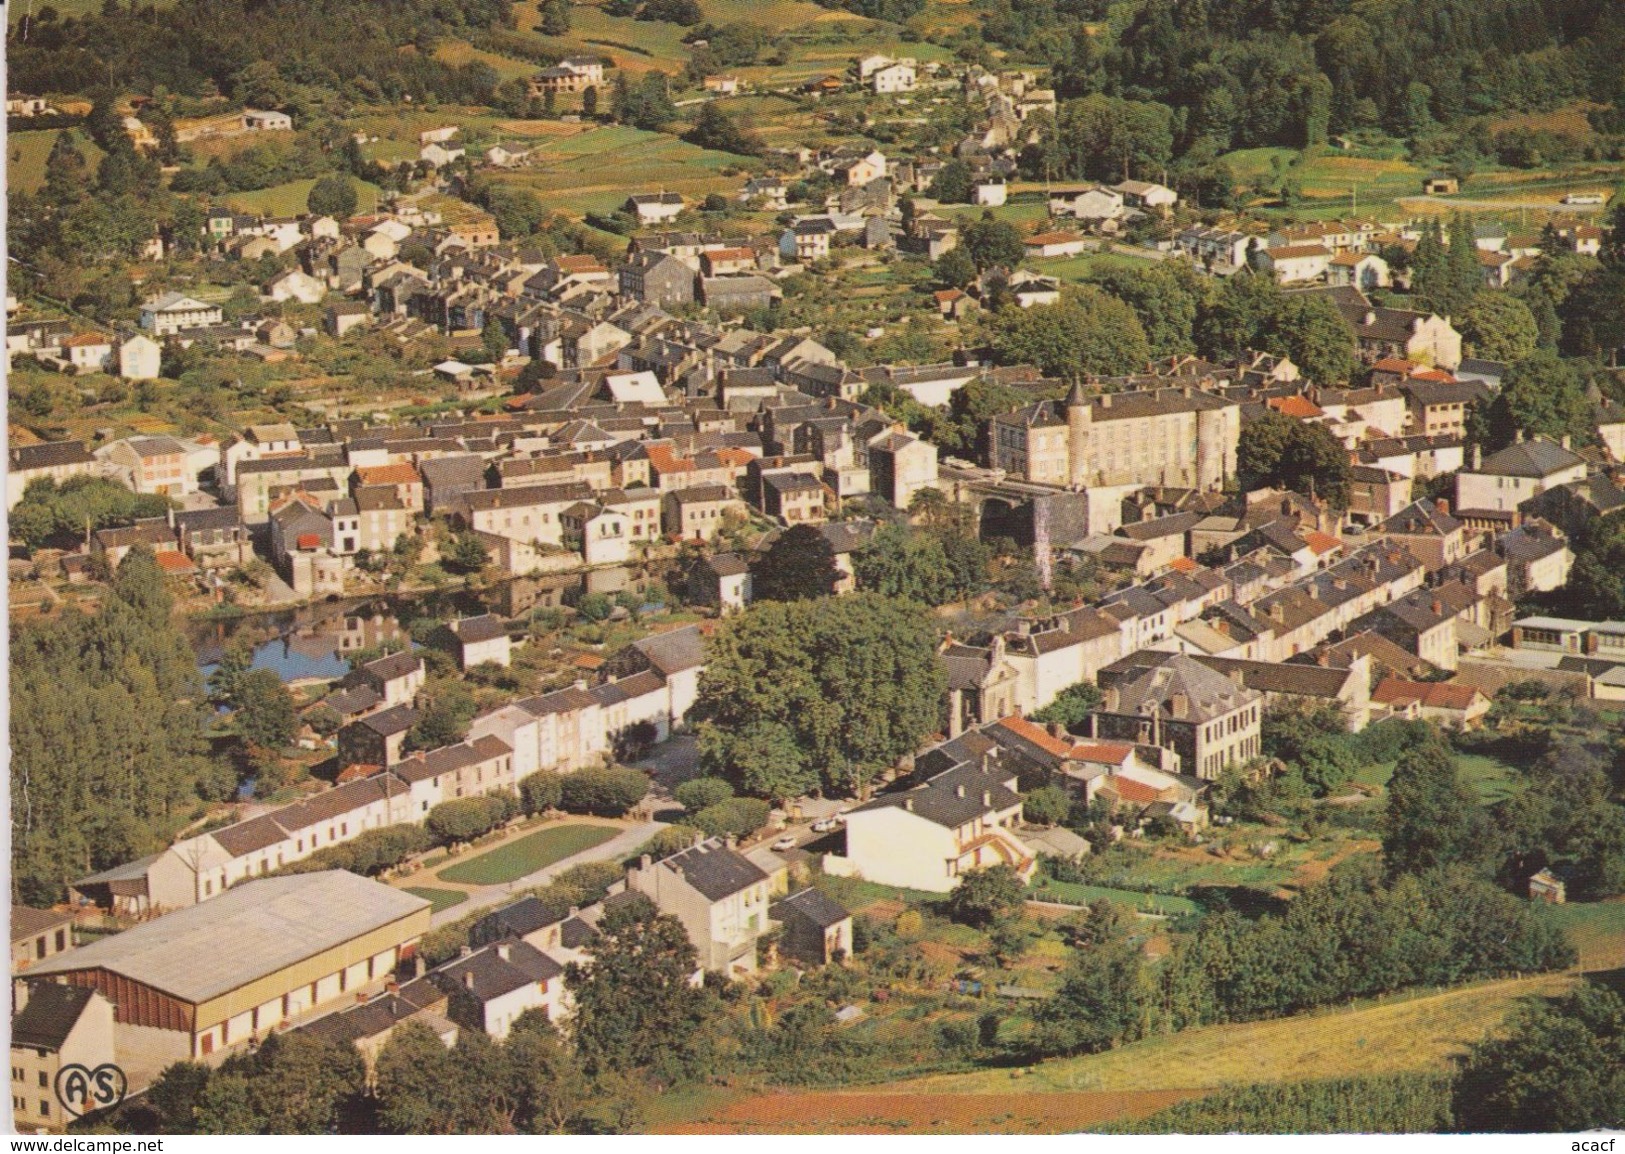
616,848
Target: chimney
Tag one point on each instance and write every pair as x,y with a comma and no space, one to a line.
1178,705
1517,437
1105,400
1370,318
468,979
987,798
959,790
464,952
908,804
647,861
1438,607
504,950
1566,439
1056,730
360,998
730,841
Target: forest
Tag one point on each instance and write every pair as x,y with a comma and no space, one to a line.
108,754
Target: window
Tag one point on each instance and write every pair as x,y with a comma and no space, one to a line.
44,1108
44,1081
16,1073
39,947
62,939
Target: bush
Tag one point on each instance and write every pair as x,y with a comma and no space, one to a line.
1047,806
369,853
739,816
672,839
540,792
467,818
702,793
603,792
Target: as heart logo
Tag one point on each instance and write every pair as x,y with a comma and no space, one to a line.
82,1090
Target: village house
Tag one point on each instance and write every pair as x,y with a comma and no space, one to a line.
928,836
1181,705
54,1027
175,312
719,895
479,640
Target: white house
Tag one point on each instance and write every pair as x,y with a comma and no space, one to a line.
439,155
719,895
1087,204
481,640
257,120
899,76
1297,263
1505,480
654,207
990,193
175,312
1049,244
930,836
295,285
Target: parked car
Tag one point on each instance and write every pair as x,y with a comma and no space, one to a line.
827,825
785,842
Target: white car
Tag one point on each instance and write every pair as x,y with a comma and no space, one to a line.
827,825
785,842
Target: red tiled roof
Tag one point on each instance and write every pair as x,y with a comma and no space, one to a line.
735,458
1047,238
308,541
1433,694
175,563
1102,752
579,264
1038,735
1321,542
1297,405
1183,565
1130,790
663,460
1394,365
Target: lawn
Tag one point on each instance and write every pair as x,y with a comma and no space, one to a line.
438,899
289,199
1071,893
526,855
1419,1031
1494,779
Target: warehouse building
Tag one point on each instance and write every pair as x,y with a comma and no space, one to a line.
197,981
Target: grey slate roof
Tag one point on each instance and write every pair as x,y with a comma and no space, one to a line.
812,905
714,870
1537,458
52,1012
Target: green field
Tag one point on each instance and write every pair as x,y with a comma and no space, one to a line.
597,170
1494,779
528,854
438,899
289,199
1597,930
1071,893
26,153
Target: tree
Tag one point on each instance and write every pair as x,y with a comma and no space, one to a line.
952,184
715,129
540,792
1310,332
899,562
1086,332
1464,275
265,709
1275,449
603,792
955,268
333,196
66,173
635,1009
176,1096
1559,1068
799,564
415,1071
1235,319
1499,327
1071,707
851,684
589,101
553,1092
987,897
1432,818
1314,741
555,18
1047,805
1430,270
1164,296
494,338
446,721
763,757
993,243
702,792
1541,395
1103,996
736,817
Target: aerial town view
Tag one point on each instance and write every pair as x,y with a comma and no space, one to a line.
838,567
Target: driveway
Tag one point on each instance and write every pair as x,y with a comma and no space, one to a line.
484,897
671,763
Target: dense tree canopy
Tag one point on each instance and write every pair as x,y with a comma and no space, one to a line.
1541,395
107,735
1086,332
1277,450
800,564
821,692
